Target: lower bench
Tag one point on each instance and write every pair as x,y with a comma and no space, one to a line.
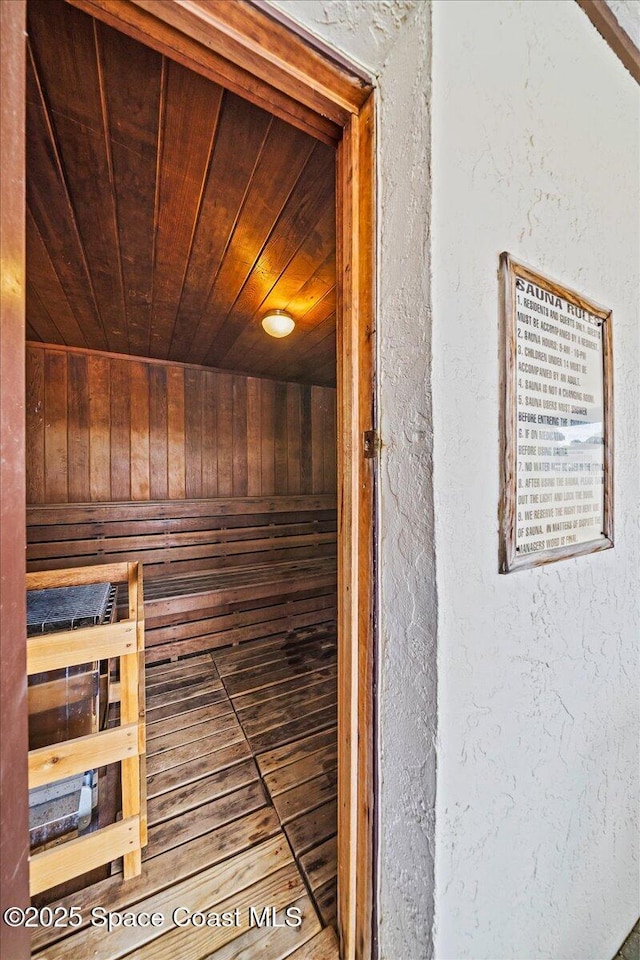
216,571
187,615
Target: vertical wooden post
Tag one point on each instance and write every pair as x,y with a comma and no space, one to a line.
142,734
130,713
356,478
14,828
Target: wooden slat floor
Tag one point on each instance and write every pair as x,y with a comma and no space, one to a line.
241,777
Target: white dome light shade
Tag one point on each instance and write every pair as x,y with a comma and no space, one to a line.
278,324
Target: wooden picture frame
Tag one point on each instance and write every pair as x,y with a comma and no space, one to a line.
553,342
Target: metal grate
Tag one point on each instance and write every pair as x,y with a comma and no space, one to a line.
65,608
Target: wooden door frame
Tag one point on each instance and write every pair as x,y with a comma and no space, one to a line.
244,49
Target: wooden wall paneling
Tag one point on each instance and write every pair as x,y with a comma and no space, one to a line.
225,434
190,118
239,437
50,204
254,458
282,159
306,441
113,429
69,74
268,436
120,434
35,427
209,434
139,389
55,438
131,75
317,447
99,427
241,130
78,428
281,474
193,432
294,439
158,433
175,433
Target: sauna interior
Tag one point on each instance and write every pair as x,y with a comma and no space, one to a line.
166,216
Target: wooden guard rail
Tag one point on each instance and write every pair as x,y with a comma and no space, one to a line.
124,744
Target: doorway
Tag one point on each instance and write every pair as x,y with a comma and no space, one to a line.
338,109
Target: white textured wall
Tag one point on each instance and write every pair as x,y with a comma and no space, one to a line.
536,151
391,39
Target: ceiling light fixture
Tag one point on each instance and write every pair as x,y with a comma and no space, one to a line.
277,323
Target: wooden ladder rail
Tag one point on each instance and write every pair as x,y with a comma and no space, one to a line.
124,744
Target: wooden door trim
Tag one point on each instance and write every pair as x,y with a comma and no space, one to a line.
14,827
240,47
246,51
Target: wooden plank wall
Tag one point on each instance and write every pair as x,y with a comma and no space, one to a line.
104,428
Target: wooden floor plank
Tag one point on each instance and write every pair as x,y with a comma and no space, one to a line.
297,655
201,892
175,756
199,731
186,684
320,863
272,943
312,828
277,890
287,713
166,869
179,801
324,946
256,680
263,653
182,693
290,685
197,769
293,774
326,902
159,728
282,734
272,760
306,797
180,668
184,706
288,701
209,816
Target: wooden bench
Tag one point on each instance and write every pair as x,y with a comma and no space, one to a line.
216,572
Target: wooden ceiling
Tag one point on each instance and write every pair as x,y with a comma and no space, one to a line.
165,214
